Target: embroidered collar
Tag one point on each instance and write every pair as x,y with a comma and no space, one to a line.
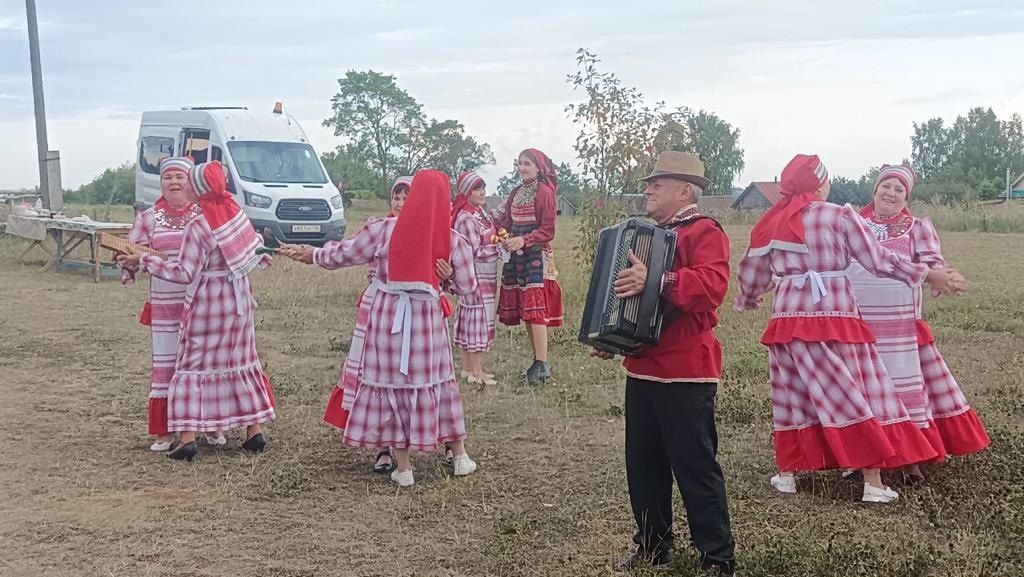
889,227
175,220
685,213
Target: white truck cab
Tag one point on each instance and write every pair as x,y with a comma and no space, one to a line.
273,172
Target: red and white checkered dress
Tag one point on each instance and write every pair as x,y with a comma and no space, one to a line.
162,231
893,312
375,403
833,403
218,382
476,313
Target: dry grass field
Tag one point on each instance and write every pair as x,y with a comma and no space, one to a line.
83,496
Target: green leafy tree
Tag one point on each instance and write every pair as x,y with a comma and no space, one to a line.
930,147
711,139
112,186
355,174
969,159
508,182
375,115
444,145
620,136
386,128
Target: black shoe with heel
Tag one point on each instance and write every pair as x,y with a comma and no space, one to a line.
255,443
185,452
538,372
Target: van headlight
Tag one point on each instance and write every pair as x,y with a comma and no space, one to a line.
336,201
257,200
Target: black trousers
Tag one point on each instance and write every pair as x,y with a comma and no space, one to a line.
670,430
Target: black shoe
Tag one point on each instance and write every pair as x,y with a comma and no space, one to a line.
718,568
255,443
538,372
185,452
384,468
644,560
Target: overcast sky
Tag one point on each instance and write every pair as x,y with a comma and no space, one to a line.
845,79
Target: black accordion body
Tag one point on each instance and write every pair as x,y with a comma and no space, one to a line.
627,326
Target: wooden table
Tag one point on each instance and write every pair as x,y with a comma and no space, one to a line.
67,236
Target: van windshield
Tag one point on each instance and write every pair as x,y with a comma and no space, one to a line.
287,162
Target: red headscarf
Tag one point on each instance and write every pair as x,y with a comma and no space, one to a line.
782,227
232,230
467,183
400,182
903,173
546,171
422,235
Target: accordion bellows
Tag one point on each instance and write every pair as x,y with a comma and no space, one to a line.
627,326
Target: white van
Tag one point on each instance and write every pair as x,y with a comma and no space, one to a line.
272,170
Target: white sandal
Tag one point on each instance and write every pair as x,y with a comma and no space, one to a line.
161,447
403,478
218,441
874,494
785,484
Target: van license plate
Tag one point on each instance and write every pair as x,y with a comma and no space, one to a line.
305,228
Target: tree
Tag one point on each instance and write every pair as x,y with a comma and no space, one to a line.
854,192
711,139
508,183
620,136
112,186
444,145
344,164
969,159
375,115
570,184
616,129
386,128
930,148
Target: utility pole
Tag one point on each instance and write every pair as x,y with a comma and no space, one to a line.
37,96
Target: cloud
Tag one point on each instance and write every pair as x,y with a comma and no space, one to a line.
962,93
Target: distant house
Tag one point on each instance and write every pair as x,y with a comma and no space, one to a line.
758,196
715,204
1017,188
566,208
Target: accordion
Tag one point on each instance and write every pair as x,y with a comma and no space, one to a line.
626,326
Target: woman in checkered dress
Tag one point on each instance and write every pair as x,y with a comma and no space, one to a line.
218,382
833,403
160,227
904,341
335,415
406,396
475,313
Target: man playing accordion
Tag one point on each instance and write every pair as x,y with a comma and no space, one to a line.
671,387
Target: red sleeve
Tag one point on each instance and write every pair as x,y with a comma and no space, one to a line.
700,284
547,212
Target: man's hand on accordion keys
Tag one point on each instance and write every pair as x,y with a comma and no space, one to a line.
631,281
602,354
